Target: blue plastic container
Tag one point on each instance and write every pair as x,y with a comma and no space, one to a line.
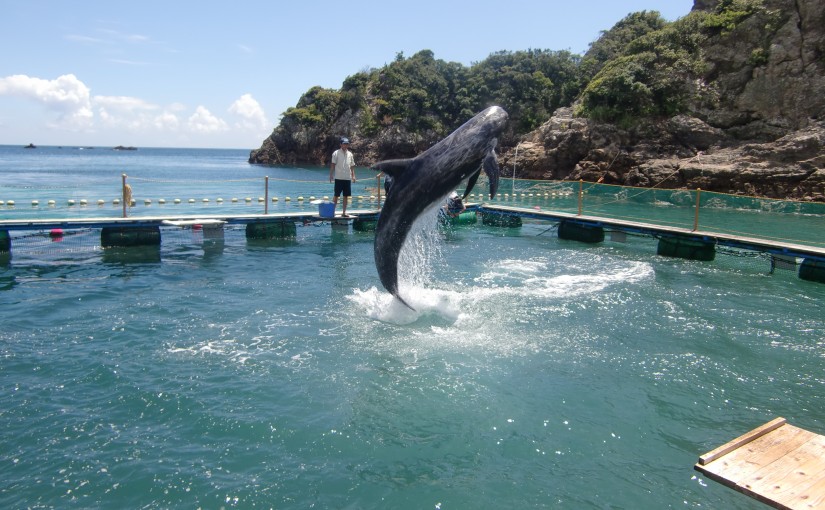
326,209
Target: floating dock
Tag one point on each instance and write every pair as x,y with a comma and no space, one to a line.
778,248
158,221
778,464
672,241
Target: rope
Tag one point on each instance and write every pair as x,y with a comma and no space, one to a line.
172,181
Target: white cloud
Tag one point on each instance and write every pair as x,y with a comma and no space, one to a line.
66,95
69,105
166,121
252,115
123,103
202,121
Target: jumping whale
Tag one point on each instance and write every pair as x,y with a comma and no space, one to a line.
419,182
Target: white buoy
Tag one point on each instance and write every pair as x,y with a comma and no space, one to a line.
261,199
2,203
191,200
147,201
177,200
52,203
247,199
161,200
205,200
99,202
234,199
116,201
274,199
71,202
35,203
287,199
83,201
10,203
219,200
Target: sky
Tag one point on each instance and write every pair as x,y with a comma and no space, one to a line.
216,74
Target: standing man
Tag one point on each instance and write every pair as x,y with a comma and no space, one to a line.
342,168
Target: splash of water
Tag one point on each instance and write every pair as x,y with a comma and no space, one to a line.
421,251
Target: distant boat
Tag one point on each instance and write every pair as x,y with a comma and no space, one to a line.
122,148
30,146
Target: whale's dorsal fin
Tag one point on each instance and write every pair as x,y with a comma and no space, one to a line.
393,167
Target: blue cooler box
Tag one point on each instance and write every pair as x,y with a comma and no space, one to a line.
326,209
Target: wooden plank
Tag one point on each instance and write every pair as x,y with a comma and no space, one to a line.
741,440
812,498
777,463
758,453
792,474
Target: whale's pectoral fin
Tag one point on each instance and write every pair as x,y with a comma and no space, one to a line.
393,167
471,182
490,166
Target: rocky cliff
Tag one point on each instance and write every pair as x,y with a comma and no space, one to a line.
765,134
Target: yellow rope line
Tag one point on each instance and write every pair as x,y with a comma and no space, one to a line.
173,181
258,179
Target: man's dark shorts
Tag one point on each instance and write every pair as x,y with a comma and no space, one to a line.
343,185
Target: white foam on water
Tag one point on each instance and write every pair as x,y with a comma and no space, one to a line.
506,281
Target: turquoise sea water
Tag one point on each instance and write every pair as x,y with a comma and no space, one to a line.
536,373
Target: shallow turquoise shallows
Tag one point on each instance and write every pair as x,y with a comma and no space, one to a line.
535,373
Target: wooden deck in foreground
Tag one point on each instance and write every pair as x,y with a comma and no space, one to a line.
778,464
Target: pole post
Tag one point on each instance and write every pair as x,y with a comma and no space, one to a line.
266,194
581,195
515,157
123,192
378,187
696,215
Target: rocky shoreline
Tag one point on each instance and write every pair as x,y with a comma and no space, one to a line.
681,152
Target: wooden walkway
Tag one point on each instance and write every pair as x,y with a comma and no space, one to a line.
773,247
778,464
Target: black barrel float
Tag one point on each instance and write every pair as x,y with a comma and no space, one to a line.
686,248
271,230
129,236
575,231
812,270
